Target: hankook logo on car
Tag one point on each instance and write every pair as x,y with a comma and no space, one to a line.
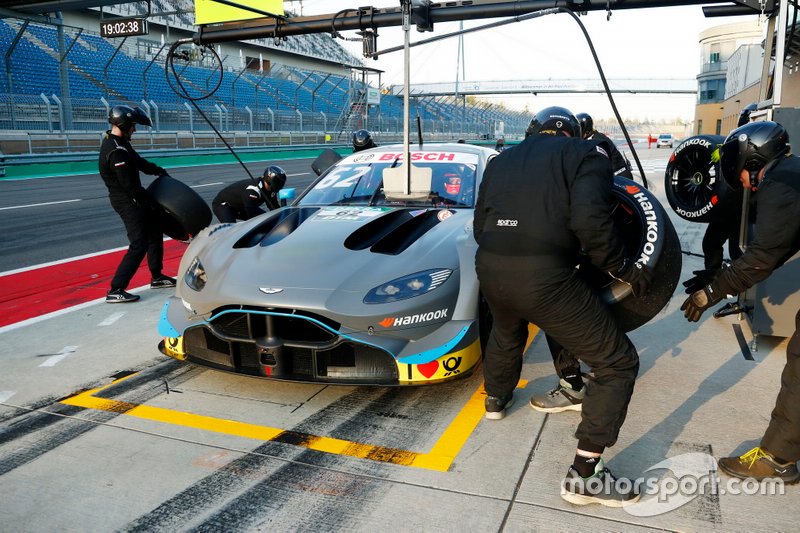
393,322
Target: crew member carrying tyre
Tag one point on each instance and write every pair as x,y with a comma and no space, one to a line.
724,226
119,166
539,206
619,164
362,140
756,157
242,200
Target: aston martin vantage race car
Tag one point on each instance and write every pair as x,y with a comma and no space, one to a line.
352,283
369,278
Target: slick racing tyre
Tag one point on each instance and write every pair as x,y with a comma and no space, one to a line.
692,179
650,238
184,213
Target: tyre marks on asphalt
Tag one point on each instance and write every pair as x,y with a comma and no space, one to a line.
39,429
255,492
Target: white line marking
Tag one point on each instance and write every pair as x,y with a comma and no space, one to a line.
6,394
207,185
110,320
54,360
39,205
298,174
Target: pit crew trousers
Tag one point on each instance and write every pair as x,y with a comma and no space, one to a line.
782,437
520,290
145,237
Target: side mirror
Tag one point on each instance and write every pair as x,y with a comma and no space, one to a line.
285,196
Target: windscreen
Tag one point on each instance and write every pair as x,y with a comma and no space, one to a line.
358,180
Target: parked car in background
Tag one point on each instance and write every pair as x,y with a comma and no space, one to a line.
665,140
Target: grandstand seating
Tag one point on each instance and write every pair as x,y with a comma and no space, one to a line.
98,68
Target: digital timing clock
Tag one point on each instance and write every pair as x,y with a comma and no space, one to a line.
123,27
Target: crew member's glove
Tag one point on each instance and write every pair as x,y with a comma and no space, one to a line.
637,275
145,201
699,301
700,279
161,172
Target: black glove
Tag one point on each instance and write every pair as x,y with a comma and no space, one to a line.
637,275
701,279
161,172
699,301
143,199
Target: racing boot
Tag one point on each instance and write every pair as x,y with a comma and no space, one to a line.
496,407
759,464
162,282
601,487
562,398
117,296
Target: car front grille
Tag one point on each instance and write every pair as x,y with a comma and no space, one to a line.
286,346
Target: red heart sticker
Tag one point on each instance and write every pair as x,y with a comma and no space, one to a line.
428,369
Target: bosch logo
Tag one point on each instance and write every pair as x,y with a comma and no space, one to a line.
507,222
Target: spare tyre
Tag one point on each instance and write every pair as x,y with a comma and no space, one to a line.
184,212
650,238
692,178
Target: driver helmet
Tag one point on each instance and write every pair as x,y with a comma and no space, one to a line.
751,147
587,124
275,177
554,120
452,183
124,117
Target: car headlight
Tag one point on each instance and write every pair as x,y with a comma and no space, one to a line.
407,286
195,276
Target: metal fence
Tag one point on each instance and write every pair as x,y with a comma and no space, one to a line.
39,124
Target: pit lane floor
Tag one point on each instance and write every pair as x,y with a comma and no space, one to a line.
100,432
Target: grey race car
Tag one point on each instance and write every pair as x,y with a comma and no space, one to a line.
356,282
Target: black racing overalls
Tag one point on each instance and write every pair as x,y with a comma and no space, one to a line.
539,205
241,200
776,238
119,166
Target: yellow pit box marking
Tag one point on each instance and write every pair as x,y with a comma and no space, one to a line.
440,457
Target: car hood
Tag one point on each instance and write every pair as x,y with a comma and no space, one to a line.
316,250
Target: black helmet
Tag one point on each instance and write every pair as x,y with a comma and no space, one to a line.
554,121
123,117
586,122
275,177
744,114
751,147
362,139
